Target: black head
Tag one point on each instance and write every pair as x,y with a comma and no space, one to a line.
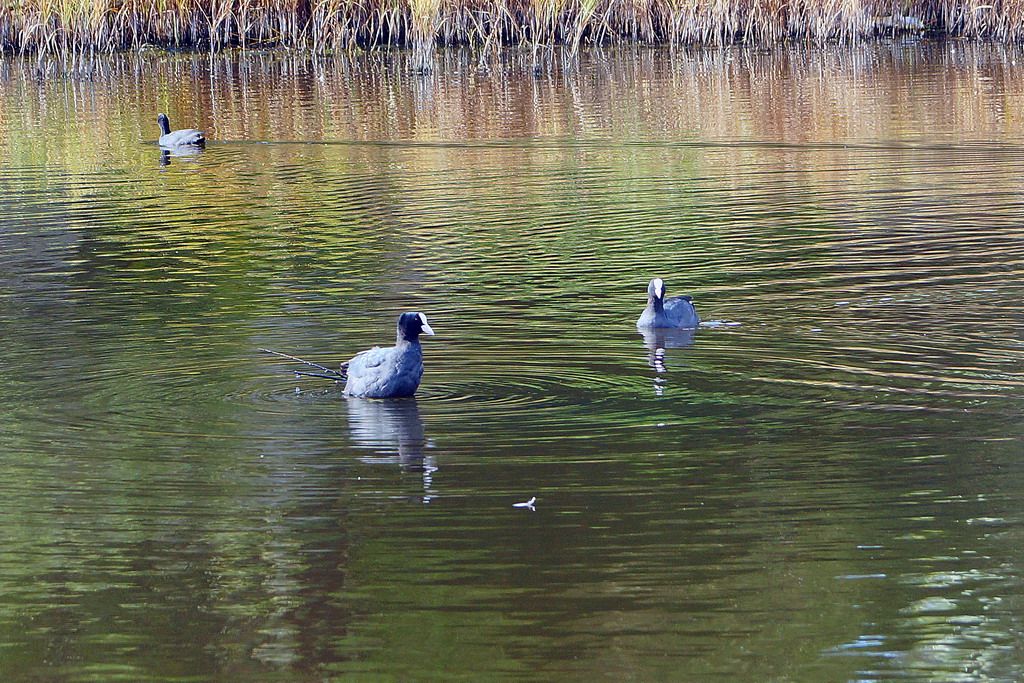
656,290
412,325
165,124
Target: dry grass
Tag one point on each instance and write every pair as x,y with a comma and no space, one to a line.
76,27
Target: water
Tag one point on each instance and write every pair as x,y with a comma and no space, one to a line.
827,488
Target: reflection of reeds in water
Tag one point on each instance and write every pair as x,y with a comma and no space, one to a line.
791,95
69,27
785,94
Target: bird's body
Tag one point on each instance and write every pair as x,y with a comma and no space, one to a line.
677,312
186,137
393,371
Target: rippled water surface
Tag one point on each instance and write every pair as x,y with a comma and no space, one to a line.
823,484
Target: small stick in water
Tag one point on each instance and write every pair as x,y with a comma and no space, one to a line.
527,504
335,378
334,373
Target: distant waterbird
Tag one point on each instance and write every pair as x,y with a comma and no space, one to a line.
677,312
380,372
526,504
186,137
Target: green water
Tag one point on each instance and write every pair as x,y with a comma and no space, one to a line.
824,484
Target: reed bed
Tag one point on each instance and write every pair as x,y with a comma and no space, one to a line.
75,27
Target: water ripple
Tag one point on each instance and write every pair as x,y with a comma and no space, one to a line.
169,489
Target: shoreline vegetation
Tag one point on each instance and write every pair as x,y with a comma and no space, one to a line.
72,28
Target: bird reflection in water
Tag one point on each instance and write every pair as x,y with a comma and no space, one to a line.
393,430
658,340
180,153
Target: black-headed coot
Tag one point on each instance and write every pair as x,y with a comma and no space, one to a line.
391,372
186,137
661,312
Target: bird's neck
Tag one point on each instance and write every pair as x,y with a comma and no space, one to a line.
165,126
402,341
656,304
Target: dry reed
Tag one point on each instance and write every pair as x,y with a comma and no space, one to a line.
82,27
